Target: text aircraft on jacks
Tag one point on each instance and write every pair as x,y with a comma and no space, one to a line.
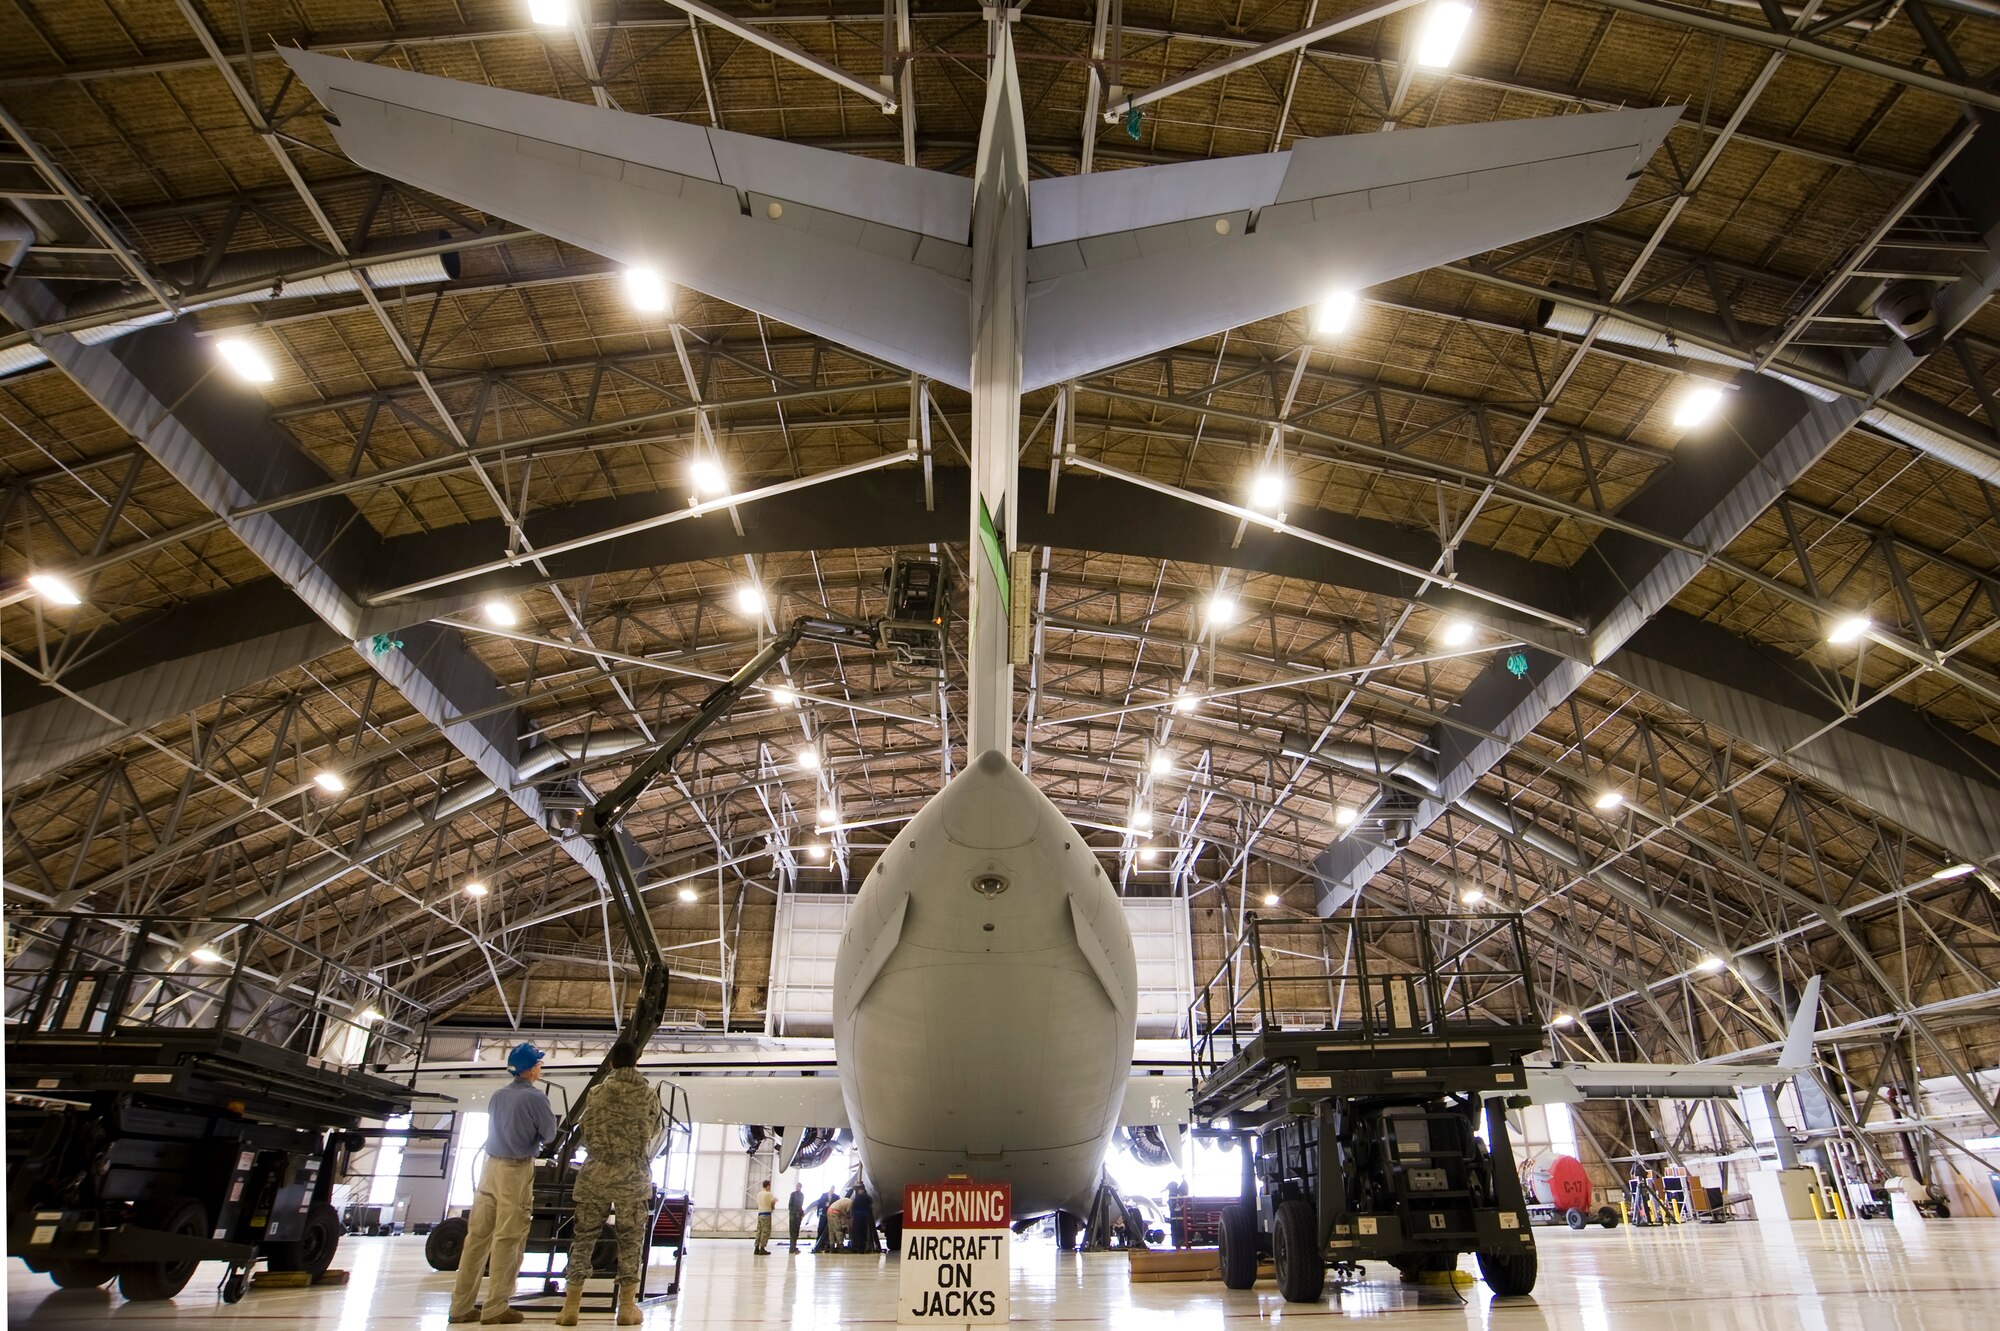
986,991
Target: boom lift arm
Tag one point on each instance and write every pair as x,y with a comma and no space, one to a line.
599,824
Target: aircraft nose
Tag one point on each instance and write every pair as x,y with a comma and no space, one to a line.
990,805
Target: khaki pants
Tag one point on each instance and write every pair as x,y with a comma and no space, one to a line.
634,1213
763,1230
496,1233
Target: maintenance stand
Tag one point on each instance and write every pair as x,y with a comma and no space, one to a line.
168,1106
1354,1062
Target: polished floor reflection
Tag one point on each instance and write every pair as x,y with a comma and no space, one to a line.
1934,1276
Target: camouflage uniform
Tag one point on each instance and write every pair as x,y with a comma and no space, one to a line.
620,1120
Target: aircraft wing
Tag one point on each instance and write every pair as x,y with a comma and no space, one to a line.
1126,263
870,254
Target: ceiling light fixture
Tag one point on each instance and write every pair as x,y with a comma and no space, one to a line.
549,13
1185,701
809,759
1562,1019
1849,630
368,1017
816,851
647,291
1457,632
475,889
1334,314
248,363
54,589
1222,609
500,614
1472,896
1345,816
1267,490
688,894
708,477
1953,871
827,816
207,956
784,696
1710,964
1271,898
1142,820
750,599
1162,763
1148,854
1608,801
1697,406
331,782
1437,40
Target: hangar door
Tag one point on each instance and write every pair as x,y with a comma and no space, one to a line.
808,939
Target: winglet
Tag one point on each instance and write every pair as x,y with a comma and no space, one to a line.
1797,1053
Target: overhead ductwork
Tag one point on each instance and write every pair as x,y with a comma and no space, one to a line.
234,270
17,235
1417,771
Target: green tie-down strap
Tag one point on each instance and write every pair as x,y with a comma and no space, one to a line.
990,538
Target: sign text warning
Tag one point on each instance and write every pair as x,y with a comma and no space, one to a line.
955,1253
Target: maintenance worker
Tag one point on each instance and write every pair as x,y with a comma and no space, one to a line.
795,1207
836,1215
823,1235
519,1124
767,1202
621,1128
862,1221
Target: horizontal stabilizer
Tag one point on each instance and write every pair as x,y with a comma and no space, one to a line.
1131,262
870,254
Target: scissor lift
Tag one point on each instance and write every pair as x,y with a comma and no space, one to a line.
1356,1062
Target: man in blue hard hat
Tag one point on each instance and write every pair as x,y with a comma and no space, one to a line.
519,1123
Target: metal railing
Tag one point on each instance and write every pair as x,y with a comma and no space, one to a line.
1364,979
113,978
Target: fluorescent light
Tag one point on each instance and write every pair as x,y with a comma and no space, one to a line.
1345,816
1608,801
1267,490
1186,702
1563,1019
1222,609
207,956
500,614
1710,964
1444,24
816,851
331,782
707,476
1271,898
1457,632
688,894
1954,871
1472,896
784,696
1162,763
368,1017
245,359
750,599
475,889
647,291
1334,314
809,759
549,13
1849,630
54,589
1697,406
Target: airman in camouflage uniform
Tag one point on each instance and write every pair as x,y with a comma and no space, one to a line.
621,1119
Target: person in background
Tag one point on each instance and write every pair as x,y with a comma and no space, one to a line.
520,1123
862,1221
621,1124
767,1202
795,1208
823,1234
837,1215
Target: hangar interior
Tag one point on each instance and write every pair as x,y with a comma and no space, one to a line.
1640,579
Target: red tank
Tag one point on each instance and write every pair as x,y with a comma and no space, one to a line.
1562,1182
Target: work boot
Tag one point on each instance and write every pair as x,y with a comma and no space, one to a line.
628,1305
505,1317
572,1305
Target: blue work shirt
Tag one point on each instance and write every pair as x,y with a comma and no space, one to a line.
521,1122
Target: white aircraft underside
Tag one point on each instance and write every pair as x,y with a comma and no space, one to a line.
986,1032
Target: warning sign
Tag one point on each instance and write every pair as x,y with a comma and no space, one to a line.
955,1255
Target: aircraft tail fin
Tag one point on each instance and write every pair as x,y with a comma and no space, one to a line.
1797,1052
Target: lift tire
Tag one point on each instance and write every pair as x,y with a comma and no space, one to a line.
1574,1218
1237,1249
147,1282
445,1243
892,1235
81,1274
1296,1252
1509,1274
312,1251
1607,1216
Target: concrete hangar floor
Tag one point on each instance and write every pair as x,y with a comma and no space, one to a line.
1933,1276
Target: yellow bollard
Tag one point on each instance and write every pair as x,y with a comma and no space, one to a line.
1839,1205
1818,1214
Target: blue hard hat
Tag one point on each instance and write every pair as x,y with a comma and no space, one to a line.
522,1057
